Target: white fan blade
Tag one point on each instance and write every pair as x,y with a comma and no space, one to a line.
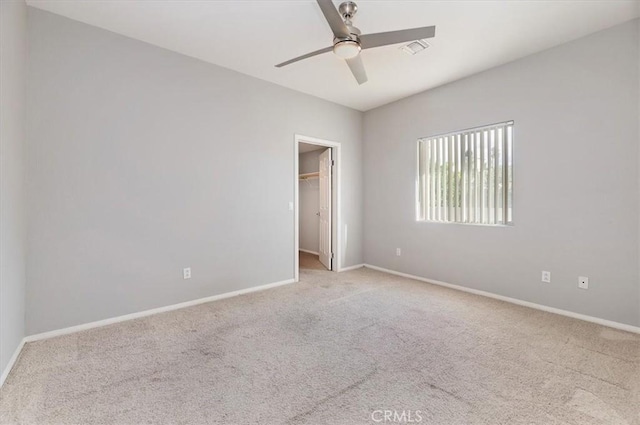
308,55
368,41
357,69
334,19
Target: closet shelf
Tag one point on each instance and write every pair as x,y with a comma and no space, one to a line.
309,176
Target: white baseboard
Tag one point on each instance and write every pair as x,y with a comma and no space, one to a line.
118,319
12,362
308,252
597,320
105,322
346,269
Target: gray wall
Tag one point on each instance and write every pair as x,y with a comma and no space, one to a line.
576,179
142,161
309,202
13,48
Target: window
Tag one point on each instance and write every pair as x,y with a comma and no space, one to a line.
467,176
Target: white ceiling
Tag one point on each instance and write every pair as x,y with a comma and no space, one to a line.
252,36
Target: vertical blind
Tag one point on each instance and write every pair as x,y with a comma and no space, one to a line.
467,176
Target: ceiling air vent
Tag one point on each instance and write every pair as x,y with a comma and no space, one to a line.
415,47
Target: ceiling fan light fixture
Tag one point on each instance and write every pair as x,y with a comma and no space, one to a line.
347,49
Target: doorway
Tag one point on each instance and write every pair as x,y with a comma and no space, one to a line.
316,205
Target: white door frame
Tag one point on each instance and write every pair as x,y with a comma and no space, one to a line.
336,241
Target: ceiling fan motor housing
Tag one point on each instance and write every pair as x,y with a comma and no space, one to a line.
351,44
348,47
348,10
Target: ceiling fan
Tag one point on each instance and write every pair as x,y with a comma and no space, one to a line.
348,41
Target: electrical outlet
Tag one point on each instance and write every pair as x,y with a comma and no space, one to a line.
583,282
398,252
546,276
186,273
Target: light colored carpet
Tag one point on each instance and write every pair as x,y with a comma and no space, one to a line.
310,261
333,349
